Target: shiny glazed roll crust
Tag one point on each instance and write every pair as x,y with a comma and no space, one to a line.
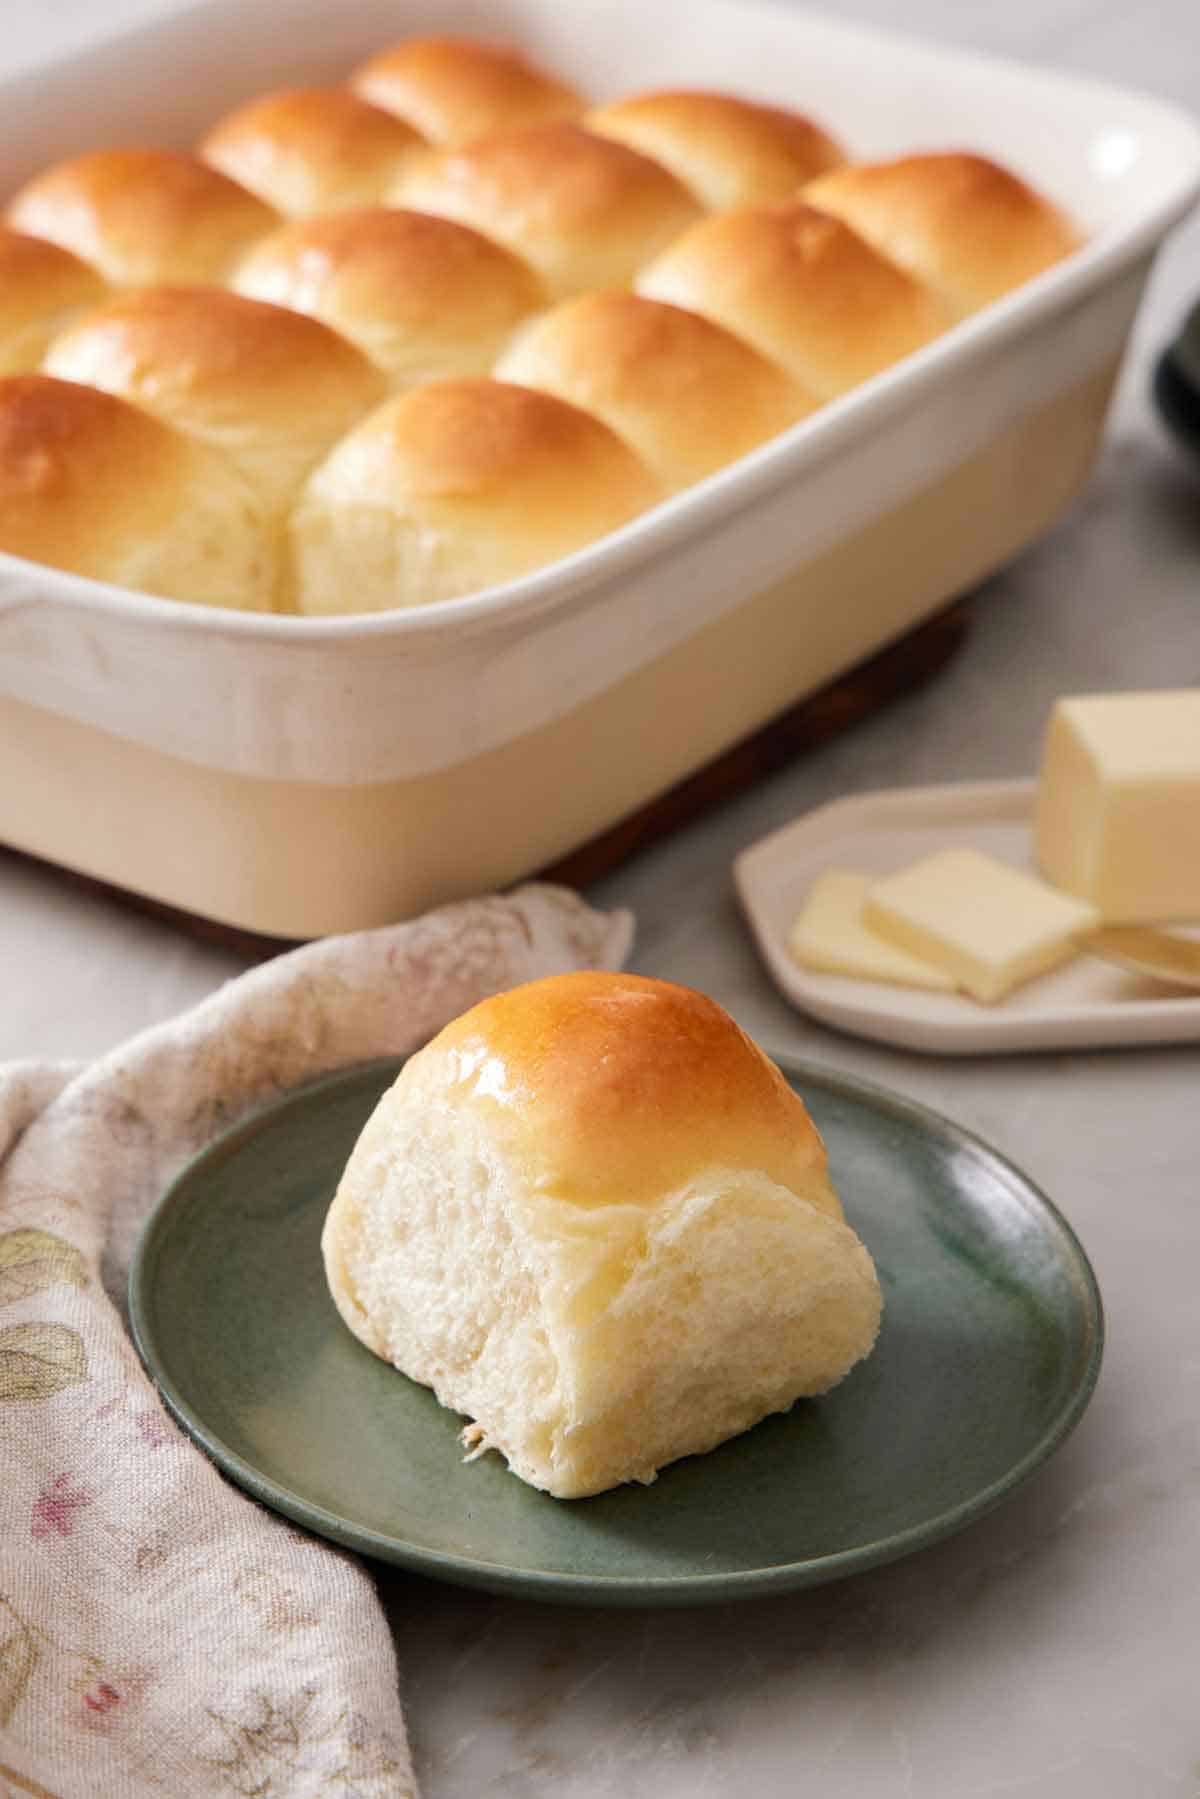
584,211
269,387
727,151
423,297
42,289
307,150
801,287
453,90
958,222
143,216
99,488
453,487
595,1219
686,394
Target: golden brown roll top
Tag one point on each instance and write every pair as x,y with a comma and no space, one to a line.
726,150
98,487
582,210
713,267
453,487
967,227
271,388
614,1087
455,89
143,215
686,394
801,287
422,296
307,150
42,289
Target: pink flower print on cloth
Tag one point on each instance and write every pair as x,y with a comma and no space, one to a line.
56,1506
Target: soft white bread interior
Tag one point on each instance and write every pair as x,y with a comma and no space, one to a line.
728,151
311,149
453,487
801,287
686,394
595,1219
42,289
962,224
423,297
143,215
583,210
269,387
455,89
100,488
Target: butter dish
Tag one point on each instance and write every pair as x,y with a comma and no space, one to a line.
1088,1004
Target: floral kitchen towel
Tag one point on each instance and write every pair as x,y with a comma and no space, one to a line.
160,1634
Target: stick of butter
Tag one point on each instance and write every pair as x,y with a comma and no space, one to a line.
1117,820
985,923
829,935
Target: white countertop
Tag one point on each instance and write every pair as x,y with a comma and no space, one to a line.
1051,1650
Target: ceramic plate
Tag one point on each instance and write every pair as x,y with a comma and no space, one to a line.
1088,1004
989,1350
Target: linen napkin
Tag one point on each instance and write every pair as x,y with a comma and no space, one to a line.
159,1632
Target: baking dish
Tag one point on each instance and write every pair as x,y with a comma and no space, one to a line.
300,776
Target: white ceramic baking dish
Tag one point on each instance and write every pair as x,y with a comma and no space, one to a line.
298,776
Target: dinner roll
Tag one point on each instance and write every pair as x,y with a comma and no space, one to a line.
269,387
455,89
686,394
42,288
143,215
728,151
967,227
594,1218
453,487
310,149
98,487
584,210
802,288
422,296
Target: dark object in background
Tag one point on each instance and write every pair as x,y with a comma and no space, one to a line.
1177,384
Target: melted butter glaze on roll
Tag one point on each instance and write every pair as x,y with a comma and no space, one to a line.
584,211
801,287
422,296
143,216
308,150
967,227
453,487
593,1217
97,487
686,394
42,289
269,387
454,89
726,150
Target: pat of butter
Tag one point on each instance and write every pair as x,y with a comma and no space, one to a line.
1117,819
830,937
989,926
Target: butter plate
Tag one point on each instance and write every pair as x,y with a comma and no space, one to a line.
1088,1004
988,1353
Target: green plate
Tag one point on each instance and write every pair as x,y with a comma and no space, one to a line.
989,1350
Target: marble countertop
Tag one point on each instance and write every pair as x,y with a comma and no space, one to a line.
1052,1648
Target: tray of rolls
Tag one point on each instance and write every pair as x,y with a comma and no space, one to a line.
428,434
